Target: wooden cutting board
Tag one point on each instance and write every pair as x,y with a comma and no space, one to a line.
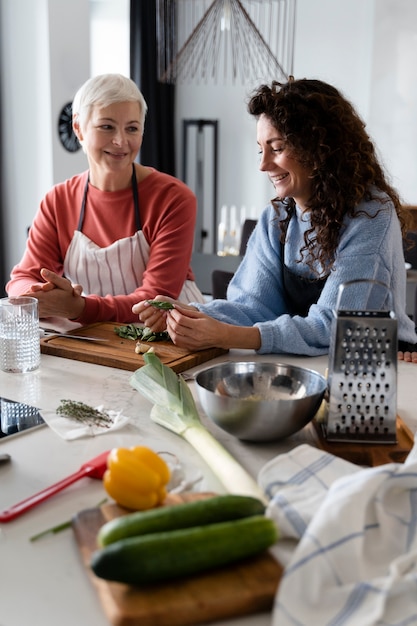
120,353
242,589
369,454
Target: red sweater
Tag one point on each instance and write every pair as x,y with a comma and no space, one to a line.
167,211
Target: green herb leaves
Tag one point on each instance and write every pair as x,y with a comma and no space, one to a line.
130,331
161,304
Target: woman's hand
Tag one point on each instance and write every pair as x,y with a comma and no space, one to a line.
154,318
57,297
193,330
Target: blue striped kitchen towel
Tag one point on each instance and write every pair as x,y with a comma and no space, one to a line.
349,540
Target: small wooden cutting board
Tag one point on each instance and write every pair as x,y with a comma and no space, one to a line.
369,454
242,589
115,351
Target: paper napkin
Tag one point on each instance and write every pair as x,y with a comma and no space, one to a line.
71,429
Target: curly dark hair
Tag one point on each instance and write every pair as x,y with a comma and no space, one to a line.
325,134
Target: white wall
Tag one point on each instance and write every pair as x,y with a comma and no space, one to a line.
44,58
26,128
69,67
333,42
393,111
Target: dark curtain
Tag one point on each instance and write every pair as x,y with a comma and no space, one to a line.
158,148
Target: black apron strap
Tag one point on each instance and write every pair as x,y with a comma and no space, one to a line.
81,218
135,201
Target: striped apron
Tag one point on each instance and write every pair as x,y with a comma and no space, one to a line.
118,268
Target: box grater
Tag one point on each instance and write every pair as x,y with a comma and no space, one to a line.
363,366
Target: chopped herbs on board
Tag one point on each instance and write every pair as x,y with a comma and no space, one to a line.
130,331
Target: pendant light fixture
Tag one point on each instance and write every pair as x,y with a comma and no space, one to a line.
204,41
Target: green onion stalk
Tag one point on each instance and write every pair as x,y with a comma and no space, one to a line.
175,409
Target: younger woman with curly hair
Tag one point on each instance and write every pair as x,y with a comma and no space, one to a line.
335,219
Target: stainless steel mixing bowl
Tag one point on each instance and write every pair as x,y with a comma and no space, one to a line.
260,401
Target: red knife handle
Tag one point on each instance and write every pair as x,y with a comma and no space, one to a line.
21,507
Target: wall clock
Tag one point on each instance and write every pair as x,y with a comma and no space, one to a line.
66,134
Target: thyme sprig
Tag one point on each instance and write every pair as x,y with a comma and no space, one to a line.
81,412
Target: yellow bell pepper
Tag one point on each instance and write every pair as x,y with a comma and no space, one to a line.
136,477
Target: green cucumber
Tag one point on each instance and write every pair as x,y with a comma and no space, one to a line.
196,513
164,556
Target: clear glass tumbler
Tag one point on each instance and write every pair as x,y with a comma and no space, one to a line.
19,334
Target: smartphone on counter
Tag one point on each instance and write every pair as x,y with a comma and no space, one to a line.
18,417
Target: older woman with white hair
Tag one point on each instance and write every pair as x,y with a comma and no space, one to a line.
115,234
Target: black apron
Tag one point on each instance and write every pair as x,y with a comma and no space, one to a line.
299,292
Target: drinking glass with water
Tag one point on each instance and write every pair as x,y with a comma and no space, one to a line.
19,334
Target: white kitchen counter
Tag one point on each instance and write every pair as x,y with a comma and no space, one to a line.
44,583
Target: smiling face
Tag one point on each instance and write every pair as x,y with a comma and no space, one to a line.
289,177
111,138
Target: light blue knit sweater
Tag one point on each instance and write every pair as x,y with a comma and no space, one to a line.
368,249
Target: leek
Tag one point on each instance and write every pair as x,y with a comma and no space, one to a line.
175,409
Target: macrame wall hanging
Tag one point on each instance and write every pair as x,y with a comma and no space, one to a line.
206,41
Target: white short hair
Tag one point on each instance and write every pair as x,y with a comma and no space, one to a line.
104,90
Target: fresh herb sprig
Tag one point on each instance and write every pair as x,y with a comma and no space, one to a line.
161,304
130,331
81,412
